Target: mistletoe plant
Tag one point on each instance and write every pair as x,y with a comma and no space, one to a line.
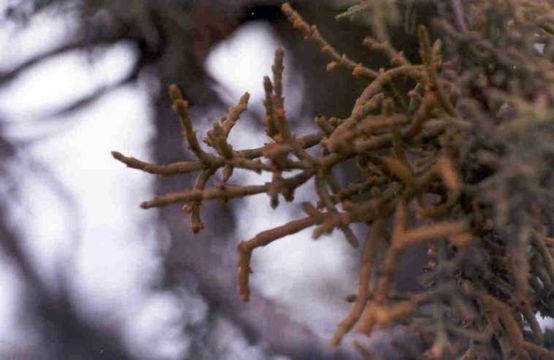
454,152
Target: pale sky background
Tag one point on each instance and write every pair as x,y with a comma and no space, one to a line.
116,249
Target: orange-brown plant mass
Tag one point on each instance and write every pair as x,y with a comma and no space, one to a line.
454,152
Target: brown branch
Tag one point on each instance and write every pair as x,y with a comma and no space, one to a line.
224,191
312,33
325,197
264,238
194,206
180,107
181,167
366,265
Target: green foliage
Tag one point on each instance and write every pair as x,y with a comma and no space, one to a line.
454,153
378,14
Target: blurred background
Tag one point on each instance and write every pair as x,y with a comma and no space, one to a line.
85,273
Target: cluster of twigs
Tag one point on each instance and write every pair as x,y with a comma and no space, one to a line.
462,163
